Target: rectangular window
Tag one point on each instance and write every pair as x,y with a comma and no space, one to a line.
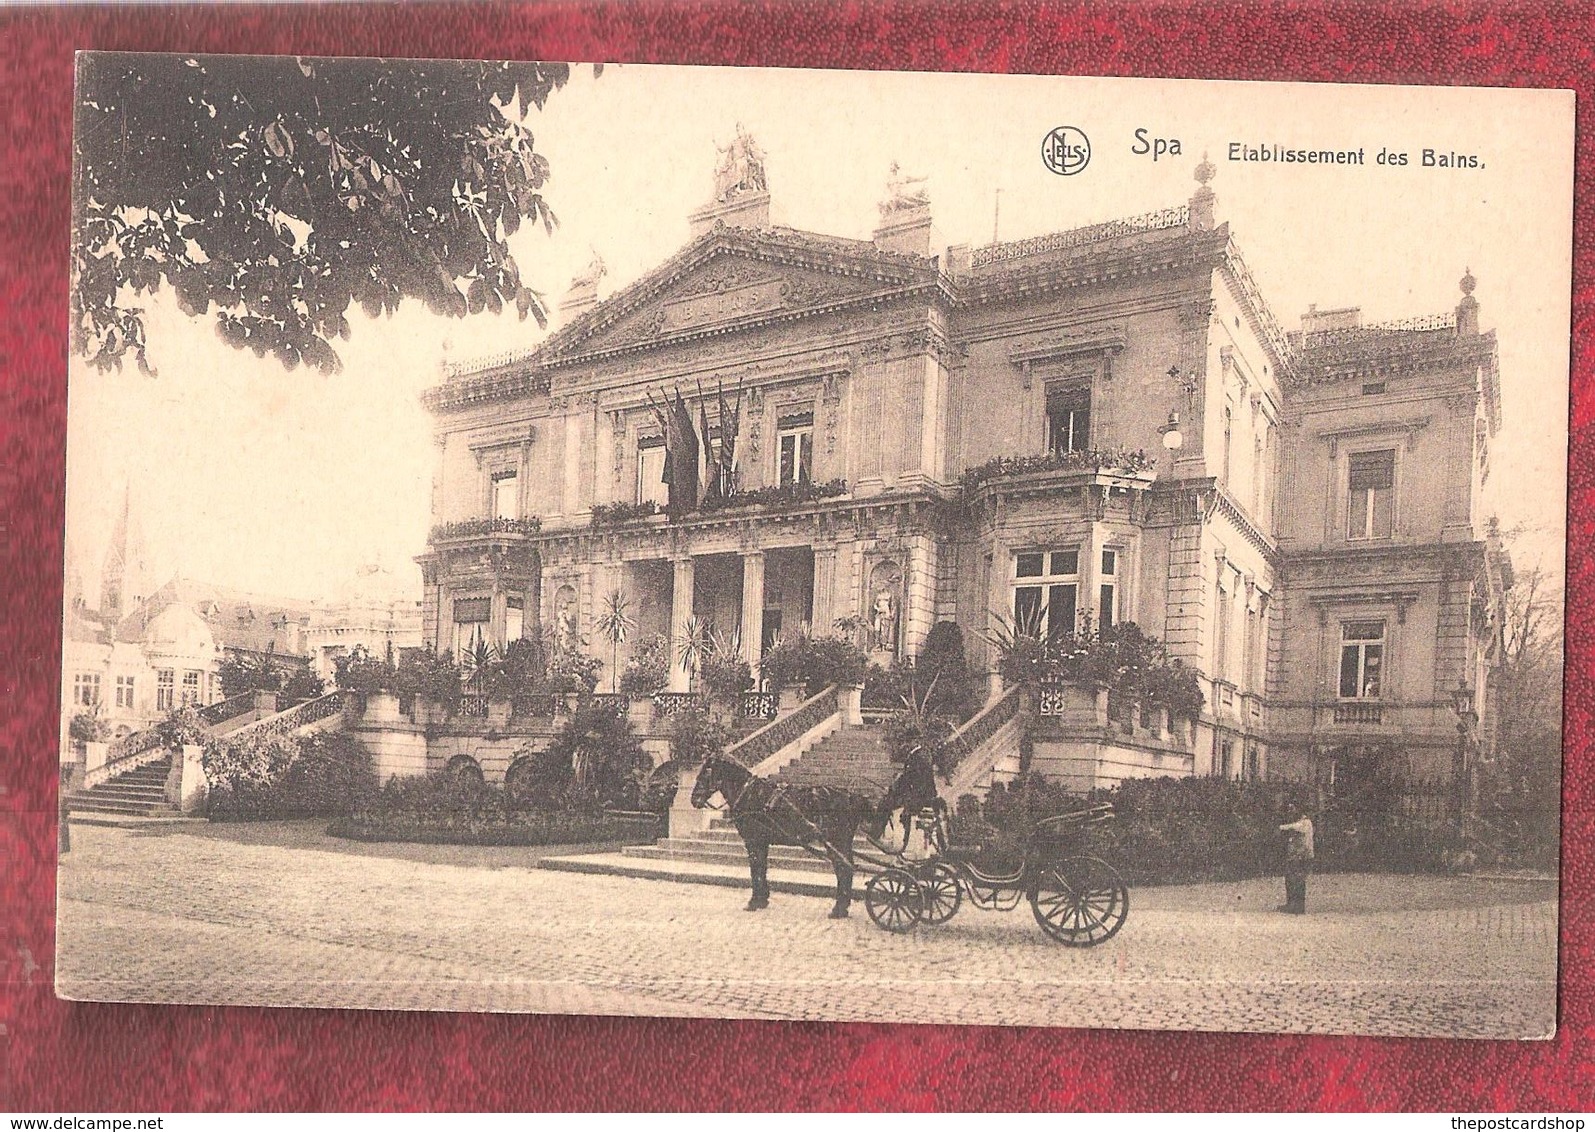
651,471
795,448
191,687
1108,591
1226,758
1220,632
1045,591
1068,420
124,691
471,616
1254,763
165,689
1371,490
1362,654
506,496
86,689
514,619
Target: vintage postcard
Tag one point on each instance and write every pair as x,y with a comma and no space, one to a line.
815,545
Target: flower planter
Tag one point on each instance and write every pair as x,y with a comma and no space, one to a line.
498,713
790,699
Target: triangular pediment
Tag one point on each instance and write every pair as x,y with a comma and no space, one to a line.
733,278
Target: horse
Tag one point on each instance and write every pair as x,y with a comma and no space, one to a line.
821,819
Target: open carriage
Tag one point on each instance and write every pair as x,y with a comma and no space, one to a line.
1079,900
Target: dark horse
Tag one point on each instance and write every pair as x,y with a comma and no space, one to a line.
821,819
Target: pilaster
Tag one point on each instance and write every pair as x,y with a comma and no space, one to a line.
752,606
680,610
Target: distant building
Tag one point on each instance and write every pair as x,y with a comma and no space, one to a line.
374,612
923,433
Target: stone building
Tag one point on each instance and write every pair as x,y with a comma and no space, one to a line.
1094,426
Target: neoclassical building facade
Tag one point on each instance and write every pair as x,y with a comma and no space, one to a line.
1099,425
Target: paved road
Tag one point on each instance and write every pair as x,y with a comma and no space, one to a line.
282,914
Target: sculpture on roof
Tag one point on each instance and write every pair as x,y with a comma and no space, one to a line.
740,168
904,193
591,274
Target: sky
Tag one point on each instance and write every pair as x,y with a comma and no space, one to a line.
287,482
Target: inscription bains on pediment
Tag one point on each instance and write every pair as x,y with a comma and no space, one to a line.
718,306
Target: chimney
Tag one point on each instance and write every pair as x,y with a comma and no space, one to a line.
1202,200
1468,308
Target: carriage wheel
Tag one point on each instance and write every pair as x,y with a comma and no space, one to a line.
1080,902
894,900
938,883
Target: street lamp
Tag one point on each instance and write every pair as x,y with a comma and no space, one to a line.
1172,439
1462,704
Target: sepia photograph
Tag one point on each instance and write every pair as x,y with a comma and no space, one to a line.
815,545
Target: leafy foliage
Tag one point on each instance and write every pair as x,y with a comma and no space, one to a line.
282,776
813,662
619,514
290,677
1132,665
281,190
87,727
776,495
451,809
1130,461
648,669
615,624
597,754
695,735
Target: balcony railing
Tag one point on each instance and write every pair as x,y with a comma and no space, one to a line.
475,528
1081,237
759,705
1364,713
667,704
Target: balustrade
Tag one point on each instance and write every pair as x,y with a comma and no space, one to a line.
667,704
758,705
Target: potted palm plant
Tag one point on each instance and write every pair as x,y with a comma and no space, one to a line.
615,624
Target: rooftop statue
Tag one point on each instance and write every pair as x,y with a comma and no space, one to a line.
904,193
740,168
591,274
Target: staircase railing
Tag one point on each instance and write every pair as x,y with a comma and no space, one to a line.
213,714
979,730
141,748
788,729
302,715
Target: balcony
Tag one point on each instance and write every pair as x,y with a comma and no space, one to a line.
1370,714
475,530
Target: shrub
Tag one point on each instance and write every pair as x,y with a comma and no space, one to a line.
87,727
280,776
725,676
695,735
648,670
813,662
497,827
359,671
597,754
943,677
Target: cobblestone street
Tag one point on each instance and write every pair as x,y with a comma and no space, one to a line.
283,914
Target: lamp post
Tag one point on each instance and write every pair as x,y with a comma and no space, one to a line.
1462,770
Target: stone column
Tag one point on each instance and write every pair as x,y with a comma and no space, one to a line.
824,590
752,606
680,610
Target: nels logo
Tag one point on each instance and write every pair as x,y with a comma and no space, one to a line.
1066,150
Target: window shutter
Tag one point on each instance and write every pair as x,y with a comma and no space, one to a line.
1373,470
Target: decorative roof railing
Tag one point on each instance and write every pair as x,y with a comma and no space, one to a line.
1377,331
488,386
1163,218
485,362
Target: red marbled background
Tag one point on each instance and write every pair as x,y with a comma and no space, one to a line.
61,1056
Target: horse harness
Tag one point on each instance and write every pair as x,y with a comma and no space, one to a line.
807,835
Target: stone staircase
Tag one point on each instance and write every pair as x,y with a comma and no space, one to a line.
853,758
138,792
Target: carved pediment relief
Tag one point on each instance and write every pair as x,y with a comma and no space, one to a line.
728,289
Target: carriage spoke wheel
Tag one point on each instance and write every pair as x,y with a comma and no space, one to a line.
1080,902
938,883
895,900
